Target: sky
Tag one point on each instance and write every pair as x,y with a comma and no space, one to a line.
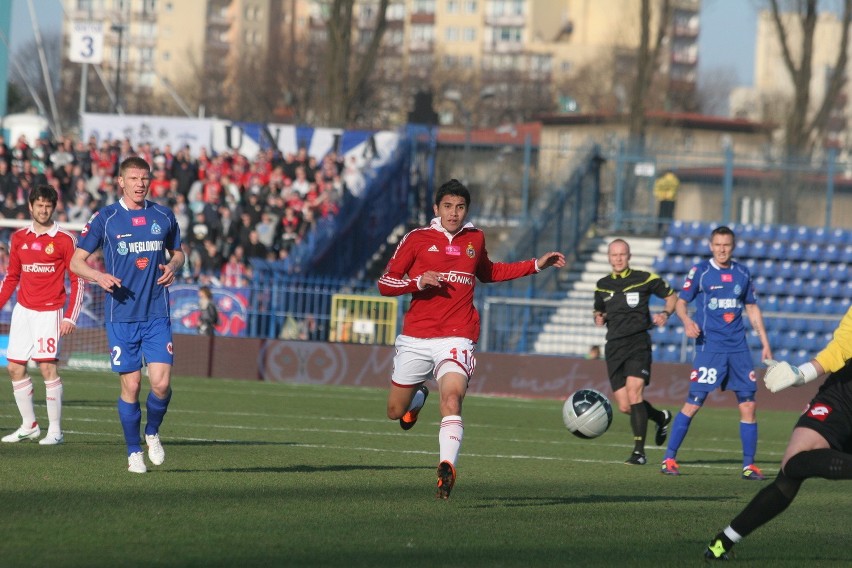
726,41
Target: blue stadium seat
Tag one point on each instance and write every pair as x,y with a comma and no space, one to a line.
790,340
747,232
766,232
677,228
819,235
822,271
814,325
832,289
685,245
698,229
795,251
803,234
832,252
813,253
761,284
805,269
777,250
830,305
768,303
766,268
758,249
778,286
787,269
846,254
789,304
839,237
784,233
801,355
670,244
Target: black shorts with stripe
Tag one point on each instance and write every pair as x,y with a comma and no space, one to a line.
830,412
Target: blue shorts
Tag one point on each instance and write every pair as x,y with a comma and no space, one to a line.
726,371
135,344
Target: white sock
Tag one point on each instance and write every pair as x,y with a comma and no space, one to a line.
732,534
53,396
450,438
23,391
417,400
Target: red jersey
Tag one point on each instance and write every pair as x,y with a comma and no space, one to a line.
39,263
448,310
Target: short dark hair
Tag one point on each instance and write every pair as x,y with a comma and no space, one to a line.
46,192
134,162
452,187
723,230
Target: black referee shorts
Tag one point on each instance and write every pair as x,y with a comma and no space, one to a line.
628,357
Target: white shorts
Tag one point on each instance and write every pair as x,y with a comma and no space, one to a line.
33,335
418,360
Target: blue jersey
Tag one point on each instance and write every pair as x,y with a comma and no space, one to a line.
721,295
134,245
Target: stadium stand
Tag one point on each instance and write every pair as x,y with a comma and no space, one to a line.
801,275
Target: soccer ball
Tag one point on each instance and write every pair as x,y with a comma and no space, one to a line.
587,413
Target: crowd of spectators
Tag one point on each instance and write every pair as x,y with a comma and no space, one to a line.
230,209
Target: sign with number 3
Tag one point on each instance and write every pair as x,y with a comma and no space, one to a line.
87,43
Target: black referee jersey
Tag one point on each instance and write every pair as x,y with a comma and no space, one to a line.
624,298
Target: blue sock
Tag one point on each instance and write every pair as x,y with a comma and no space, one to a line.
748,435
130,416
680,426
155,409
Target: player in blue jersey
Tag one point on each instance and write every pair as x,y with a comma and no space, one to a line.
142,254
721,289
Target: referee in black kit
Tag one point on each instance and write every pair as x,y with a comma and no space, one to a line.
621,303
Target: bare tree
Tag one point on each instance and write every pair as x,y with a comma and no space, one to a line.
714,90
348,70
803,129
647,63
26,74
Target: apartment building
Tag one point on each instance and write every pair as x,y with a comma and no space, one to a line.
506,58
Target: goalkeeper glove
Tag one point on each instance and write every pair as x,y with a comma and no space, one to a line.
781,375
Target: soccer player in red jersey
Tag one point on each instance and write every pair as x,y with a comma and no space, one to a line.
439,265
40,257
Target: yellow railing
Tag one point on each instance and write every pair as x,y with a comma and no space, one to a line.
363,319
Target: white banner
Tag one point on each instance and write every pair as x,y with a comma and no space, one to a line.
158,130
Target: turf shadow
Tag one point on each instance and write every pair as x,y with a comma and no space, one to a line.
302,468
513,502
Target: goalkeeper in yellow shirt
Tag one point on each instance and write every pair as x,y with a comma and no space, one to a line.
821,442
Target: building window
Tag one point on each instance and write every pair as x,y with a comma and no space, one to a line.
470,6
469,34
167,56
452,6
149,6
424,6
451,34
146,54
422,33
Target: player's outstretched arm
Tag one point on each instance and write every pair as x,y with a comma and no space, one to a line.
781,374
556,259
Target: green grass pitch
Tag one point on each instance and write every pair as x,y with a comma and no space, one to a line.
290,475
